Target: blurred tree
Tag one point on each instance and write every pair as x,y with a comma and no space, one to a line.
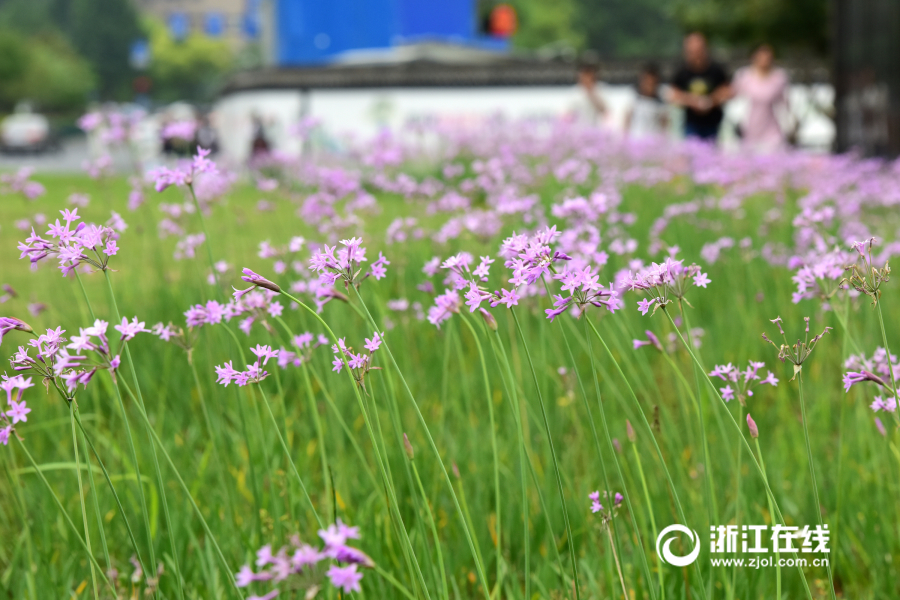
103,31
628,28
544,24
797,26
189,69
43,69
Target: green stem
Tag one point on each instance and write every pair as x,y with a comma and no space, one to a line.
142,498
87,532
812,468
161,482
640,466
212,436
679,509
434,533
740,434
317,421
469,538
770,500
887,350
490,404
287,453
510,384
559,484
391,498
62,509
187,491
112,488
612,451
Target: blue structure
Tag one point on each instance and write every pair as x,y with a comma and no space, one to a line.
311,31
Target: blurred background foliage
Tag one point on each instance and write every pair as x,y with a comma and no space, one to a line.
60,53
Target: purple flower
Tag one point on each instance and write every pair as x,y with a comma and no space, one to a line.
347,578
701,280
4,435
508,297
727,393
878,424
19,411
129,330
373,344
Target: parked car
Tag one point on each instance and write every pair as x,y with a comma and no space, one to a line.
25,131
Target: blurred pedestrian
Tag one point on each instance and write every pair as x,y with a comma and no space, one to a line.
259,146
648,115
765,87
701,86
595,109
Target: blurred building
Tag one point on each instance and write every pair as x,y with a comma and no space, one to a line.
867,76
237,21
301,32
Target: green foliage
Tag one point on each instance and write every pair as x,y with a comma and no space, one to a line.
103,31
187,69
801,26
543,24
628,28
43,69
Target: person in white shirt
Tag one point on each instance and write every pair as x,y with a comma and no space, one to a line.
595,109
649,115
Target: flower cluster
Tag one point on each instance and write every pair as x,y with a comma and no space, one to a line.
18,411
226,374
302,567
56,366
606,514
359,364
184,175
799,351
304,344
20,183
334,263
664,281
83,244
584,289
821,275
865,277
743,380
256,306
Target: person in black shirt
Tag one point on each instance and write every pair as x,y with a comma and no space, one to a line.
701,86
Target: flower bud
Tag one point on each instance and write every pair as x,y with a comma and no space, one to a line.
488,319
12,323
751,424
456,471
630,430
408,447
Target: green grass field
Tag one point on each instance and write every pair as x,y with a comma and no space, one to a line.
487,398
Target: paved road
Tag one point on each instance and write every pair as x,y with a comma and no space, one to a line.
69,158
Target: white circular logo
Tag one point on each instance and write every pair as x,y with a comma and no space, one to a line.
666,554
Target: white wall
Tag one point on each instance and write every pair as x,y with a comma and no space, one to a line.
361,113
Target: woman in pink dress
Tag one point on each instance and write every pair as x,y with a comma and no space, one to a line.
765,87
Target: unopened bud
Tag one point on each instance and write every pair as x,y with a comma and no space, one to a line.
408,447
456,471
12,323
488,319
630,430
751,424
